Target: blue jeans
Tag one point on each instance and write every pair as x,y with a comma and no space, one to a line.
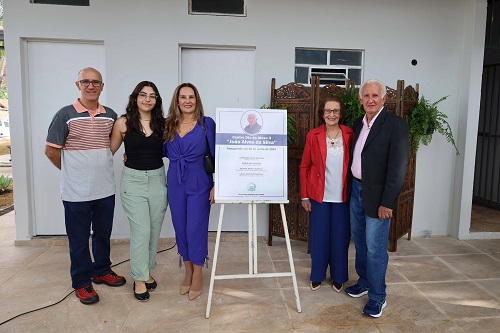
370,236
80,217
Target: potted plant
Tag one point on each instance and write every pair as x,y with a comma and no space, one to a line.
290,121
353,106
424,119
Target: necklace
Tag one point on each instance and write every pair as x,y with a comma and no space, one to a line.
334,144
334,136
145,119
336,141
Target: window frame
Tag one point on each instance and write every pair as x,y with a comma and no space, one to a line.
61,4
312,67
191,12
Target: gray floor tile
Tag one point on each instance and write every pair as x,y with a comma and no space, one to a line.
475,266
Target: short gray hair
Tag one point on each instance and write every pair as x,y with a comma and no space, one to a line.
383,89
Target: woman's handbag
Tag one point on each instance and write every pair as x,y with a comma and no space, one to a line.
208,159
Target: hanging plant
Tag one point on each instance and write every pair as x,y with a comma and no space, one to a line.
424,119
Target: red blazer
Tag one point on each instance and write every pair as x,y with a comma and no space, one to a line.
313,165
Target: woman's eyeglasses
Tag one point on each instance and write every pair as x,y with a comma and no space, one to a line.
145,96
334,111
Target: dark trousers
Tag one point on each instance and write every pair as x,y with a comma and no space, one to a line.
80,219
329,236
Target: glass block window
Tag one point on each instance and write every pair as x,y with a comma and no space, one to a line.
63,2
330,65
218,7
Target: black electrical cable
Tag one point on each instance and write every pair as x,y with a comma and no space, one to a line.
62,299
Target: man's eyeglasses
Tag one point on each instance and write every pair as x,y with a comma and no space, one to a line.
334,111
86,83
144,95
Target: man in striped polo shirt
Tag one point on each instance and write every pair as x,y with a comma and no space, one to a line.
78,144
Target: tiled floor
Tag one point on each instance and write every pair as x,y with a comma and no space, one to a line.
484,219
434,285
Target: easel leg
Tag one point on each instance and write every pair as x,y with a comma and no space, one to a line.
214,263
250,259
290,257
254,240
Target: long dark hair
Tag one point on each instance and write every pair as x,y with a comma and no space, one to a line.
157,122
174,112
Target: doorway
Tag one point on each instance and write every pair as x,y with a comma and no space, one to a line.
225,78
47,64
485,215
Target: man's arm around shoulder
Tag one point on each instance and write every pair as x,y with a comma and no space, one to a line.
54,155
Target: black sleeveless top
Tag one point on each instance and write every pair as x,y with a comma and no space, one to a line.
143,152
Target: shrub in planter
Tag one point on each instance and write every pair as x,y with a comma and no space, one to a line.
5,182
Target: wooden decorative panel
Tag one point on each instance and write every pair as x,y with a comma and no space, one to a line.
401,223
403,218
299,100
391,102
329,90
409,99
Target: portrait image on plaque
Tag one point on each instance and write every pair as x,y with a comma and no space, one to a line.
251,122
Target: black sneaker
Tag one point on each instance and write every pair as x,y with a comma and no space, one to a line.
374,308
356,290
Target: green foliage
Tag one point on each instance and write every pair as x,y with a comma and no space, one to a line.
290,121
422,121
3,91
291,129
353,106
5,182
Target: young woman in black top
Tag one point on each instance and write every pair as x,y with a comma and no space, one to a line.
143,188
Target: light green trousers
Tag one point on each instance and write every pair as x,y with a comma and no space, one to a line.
144,200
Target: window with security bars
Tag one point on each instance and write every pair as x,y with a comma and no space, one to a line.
63,2
218,7
330,65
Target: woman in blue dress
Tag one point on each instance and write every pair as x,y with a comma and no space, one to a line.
190,188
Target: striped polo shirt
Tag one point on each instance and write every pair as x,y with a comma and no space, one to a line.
86,161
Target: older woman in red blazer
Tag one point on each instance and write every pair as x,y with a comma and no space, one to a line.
323,181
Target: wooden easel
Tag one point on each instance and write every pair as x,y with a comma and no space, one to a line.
252,252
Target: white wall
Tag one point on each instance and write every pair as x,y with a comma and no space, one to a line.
142,42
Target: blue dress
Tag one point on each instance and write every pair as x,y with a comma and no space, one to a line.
189,190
